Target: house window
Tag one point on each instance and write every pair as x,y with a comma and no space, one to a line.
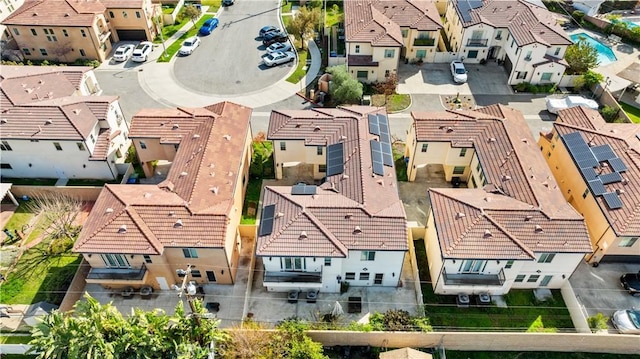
43,52
50,35
364,276
82,53
405,32
472,266
327,261
293,264
111,15
521,74
387,73
211,276
520,278
585,193
499,35
362,74
81,146
65,33
143,145
138,14
15,31
322,168
115,260
124,14
5,146
195,273
378,279
528,56
513,42
350,276
147,258
509,264
473,54
557,52
473,181
83,33
6,166
533,278
389,53
93,139
458,170
546,257
628,242
57,145
546,76
26,51
545,280
357,49
421,54
33,32
283,146
368,256
190,252
319,150
425,147
463,152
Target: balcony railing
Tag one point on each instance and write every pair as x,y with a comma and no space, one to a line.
473,278
293,277
477,42
424,42
117,273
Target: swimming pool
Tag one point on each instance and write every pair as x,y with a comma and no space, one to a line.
630,24
605,54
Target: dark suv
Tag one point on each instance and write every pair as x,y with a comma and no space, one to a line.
631,282
274,36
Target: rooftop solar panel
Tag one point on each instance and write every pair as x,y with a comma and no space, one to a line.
335,159
466,6
613,200
612,177
597,187
266,220
373,125
376,157
603,153
589,173
617,164
587,162
387,156
303,189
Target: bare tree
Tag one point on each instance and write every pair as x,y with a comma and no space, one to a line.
57,213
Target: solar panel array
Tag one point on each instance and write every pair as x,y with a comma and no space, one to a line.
335,159
376,157
466,6
587,158
266,220
303,189
373,125
379,125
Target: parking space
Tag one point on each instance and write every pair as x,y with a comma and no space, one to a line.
430,78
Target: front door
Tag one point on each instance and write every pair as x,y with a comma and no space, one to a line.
162,282
211,276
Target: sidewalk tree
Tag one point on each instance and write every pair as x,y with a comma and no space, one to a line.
192,13
304,23
345,89
581,57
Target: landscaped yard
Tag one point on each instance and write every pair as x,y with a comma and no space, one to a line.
632,112
523,314
261,168
393,103
213,5
300,71
175,47
335,14
534,355
169,30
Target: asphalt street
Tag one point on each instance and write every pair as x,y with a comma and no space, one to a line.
124,83
229,60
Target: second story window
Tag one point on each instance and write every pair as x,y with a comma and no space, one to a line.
15,31
82,53
143,145
93,139
65,33
138,14
124,14
463,152
33,32
405,32
190,252
81,146
111,15
357,49
389,53
50,35
319,150
368,256
425,146
546,257
283,146
83,33
4,146
557,52
57,145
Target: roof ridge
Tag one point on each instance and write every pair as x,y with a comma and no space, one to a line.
509,234
291,221
72,122
106,223
144,228
334,240
203,150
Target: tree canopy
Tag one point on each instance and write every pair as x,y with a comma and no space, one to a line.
344,88
581,57
304,23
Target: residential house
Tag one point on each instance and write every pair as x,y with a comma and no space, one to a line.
508,226
6,8
68,30
380,33
597,165
142,234
351,228
55,124
523,35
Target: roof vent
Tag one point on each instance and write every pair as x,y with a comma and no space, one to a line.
122,229
625,181
146,195
449,129
214,190
34,14
487,234
76,111
343,138
41,82
538,228
66,14
528,217
348,216
279,215
506,177
619,191
491,139
230,174
345,176
460,215
298,125
357,230
524,140
316,129
195,135
303,235
108,210
172,213
175,126
183,174
4,120
178,224
380,182
227,137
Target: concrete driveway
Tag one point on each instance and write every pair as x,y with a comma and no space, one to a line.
229,60
430,78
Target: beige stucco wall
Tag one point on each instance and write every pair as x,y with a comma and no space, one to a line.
374,74
438,153
134,19
297,153
411,50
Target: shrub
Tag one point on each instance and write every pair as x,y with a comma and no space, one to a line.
578,15
609,113
598,322
387,87
345,89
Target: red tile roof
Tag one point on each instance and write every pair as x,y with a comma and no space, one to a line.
519,185
191,207
56,13
103,142
364,23
355,198
624,139
527,22
123,4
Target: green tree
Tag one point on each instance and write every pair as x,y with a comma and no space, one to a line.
192,13
344,89
591,78
578,15
581,57
304,23
291,341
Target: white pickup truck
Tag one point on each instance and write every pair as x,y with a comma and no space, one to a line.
556,104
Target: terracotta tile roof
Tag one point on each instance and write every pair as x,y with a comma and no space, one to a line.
624,139
123,4
518,179
416,14
361,60
101,150
355,198
364,23
189,209
56,13
527,23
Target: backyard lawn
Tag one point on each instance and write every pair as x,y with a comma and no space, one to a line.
523,314
261,168
632,112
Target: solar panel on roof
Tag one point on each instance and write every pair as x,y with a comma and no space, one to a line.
303,189
373,125
376,157
587,163
612,177
589,173
335,159
603,153
617,164
466,6
613,200
596,187
387,156
266,220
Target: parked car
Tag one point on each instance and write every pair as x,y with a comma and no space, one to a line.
208,26
189,45
458,72
279,47
556,104
227,2
142,51
123,53
266,29
278,58
627,321
274,36
631,282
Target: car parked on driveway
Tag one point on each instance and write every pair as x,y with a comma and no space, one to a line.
142,51
556,104
279,47
274,36
627,321
189,45
458,72
278,58
227,2
208,26
123,52
631,282
266,29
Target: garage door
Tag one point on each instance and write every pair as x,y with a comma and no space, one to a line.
129,35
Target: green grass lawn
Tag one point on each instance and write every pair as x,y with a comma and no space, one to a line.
169,30
523,314
534,355
286,20
252,197
20,218
398,102
632,112
175,47
168,9
213,5
300,71
286,7
334,16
